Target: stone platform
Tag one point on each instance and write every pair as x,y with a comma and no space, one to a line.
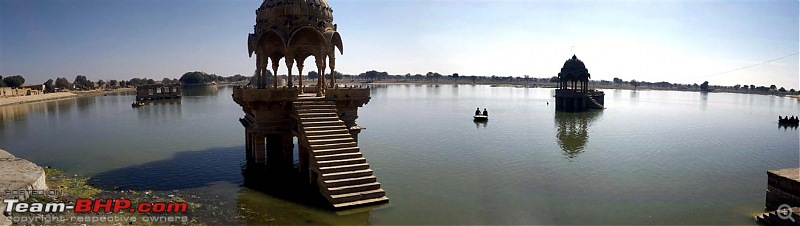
783,187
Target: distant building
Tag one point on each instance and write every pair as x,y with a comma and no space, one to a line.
158,91
34,89
25,90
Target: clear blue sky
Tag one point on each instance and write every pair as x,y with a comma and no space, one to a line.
676,41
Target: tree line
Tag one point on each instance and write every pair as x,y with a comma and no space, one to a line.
81,82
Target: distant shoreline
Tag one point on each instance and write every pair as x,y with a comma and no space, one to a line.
58,96
554,85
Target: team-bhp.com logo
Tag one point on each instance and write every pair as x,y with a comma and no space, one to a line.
95,206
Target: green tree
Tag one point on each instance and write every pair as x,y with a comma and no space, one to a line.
634,83
2,84
198,77
49,86
81,82
313,75
15,81
135,82
62,83
113,83
166,81
101,83
782,90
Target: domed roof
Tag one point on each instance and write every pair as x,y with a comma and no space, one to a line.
574,66
289,15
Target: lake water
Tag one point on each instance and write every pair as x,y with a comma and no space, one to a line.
651,157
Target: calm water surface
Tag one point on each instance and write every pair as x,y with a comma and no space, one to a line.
652,157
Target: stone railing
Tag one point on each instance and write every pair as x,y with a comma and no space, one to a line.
347,93
264,95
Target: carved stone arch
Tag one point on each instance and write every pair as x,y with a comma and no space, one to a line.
306,36
334,40
273,41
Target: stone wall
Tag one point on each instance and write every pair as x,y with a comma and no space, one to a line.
783,187
12,92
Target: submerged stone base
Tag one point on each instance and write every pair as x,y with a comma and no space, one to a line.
18,174
568,100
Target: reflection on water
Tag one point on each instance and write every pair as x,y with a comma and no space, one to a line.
691,166
787,127
479,124
573,131
196,91
184,170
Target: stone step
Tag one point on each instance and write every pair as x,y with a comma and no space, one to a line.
321,153
361,202
317,114
351,181
338,134
312,102
344,168
354,188
302,111
329,157
340,162
312,129
315,106
323,123
355,196
346,174
330,141
319,119
315,147
326,132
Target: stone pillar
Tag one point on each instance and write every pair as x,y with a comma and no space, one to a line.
303,156
261,65
275,65
289,65
248,146
354,133
287,149
258,148
321,72
300,75
273,149
332,63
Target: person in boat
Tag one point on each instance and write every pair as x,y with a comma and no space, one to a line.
485,113
478,111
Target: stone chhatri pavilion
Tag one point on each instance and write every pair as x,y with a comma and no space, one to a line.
321,117
293,31
573,94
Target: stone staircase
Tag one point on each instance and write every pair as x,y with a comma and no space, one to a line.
343,174
782,218
595,102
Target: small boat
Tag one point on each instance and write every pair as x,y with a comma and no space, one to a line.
480,117
788,121
137,104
